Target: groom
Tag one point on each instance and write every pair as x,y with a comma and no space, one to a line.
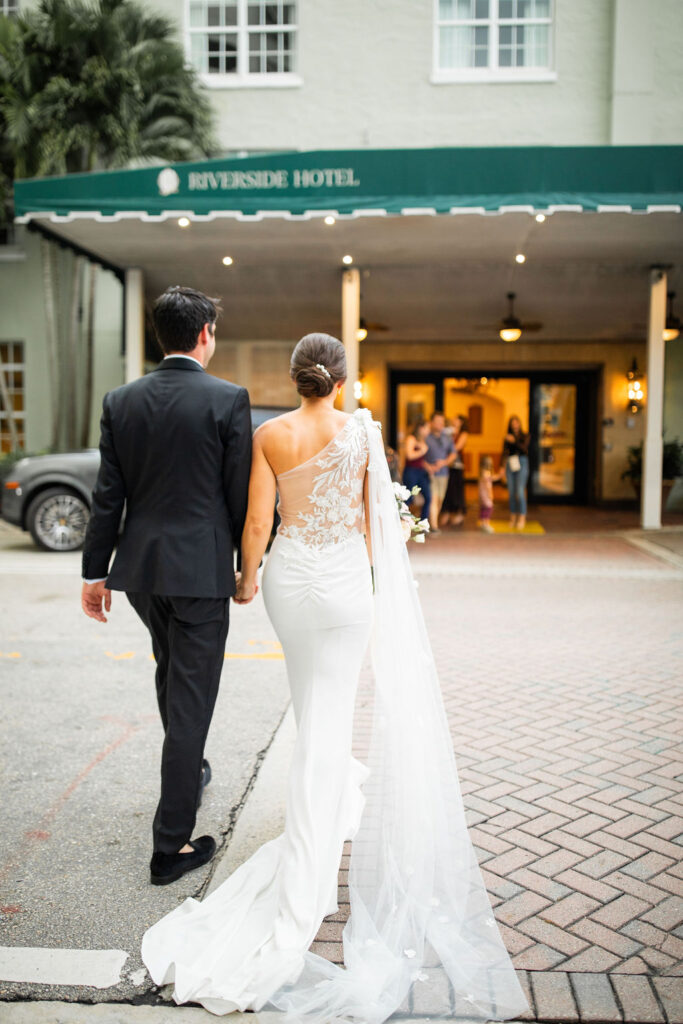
175,449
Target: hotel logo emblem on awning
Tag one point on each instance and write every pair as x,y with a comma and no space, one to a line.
168,181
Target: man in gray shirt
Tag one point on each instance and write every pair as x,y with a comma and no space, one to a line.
439,458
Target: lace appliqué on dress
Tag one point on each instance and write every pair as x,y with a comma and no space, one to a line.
333,509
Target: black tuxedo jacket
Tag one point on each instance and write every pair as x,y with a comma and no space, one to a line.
176,450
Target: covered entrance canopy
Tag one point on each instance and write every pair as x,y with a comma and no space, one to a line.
610,213
433,236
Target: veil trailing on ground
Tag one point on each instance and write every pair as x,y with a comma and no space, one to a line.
421,937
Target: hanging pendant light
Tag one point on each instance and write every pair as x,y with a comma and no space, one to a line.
673,325
512,328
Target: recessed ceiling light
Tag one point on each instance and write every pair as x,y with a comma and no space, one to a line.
183,222
227,261
330,220
347,259
540,217
520,257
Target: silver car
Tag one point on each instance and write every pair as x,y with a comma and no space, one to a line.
50,495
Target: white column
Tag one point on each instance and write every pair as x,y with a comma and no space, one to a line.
651,494
350,325
135,323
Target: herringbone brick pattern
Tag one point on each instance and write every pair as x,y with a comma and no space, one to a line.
564,697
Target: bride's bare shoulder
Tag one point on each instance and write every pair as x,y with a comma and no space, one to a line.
275,434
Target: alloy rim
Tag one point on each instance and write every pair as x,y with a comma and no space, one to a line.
62,521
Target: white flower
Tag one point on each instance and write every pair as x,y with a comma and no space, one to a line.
419,539
424,525
401,492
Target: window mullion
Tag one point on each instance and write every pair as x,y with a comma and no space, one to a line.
242,39
493,35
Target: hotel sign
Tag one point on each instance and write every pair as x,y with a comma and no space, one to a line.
264,179
391,181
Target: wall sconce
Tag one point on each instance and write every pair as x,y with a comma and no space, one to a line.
362,332
635,388
673,324
358,389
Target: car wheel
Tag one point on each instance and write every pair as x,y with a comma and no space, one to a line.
58,520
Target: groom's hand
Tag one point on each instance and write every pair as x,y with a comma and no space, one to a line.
245,591
92,597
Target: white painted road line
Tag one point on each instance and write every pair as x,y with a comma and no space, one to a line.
96,968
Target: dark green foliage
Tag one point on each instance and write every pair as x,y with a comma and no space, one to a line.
672,461
101,84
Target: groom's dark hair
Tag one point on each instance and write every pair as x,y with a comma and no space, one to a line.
180,314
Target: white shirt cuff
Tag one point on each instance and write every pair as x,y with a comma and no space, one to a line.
100,579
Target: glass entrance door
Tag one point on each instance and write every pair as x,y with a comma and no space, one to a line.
554,469
414,402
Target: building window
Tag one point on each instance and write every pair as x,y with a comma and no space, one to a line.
243,41
12,405
9,6
493,40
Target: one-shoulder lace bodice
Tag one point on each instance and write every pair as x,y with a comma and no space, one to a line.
321,500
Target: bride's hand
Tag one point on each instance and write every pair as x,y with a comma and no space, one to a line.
246,590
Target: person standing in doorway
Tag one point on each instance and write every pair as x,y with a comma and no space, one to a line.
454,507
516,459
439,458
415,472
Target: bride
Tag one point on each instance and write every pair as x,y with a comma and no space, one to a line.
421,930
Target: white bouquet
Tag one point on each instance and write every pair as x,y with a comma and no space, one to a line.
413,528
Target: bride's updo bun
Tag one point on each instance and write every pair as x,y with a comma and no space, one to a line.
317,365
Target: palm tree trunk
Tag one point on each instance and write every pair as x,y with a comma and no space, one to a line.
51,335
89,357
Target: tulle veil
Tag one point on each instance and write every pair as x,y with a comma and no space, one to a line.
421,939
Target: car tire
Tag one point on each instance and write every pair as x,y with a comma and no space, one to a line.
57,519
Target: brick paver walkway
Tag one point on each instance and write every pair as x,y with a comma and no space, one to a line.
560,664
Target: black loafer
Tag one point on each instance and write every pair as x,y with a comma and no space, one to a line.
205,780
169,867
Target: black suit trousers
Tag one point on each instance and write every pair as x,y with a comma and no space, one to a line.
188,639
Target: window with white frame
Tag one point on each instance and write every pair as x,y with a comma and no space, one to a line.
243,39
9,6
493,38
12,404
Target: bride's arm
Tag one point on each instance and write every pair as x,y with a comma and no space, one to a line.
366,508
258,523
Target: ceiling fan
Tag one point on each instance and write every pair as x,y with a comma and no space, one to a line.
365,326
510,327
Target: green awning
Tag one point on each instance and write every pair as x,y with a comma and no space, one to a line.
356,182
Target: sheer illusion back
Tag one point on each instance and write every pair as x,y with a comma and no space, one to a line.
321,500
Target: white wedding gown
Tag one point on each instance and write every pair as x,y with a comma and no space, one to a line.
420,915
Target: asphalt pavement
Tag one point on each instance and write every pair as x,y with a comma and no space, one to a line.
80,741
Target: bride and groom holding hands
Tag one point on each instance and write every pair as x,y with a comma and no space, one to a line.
177,451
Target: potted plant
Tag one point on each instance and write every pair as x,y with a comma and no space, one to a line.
672,466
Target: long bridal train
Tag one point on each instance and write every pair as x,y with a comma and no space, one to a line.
421,930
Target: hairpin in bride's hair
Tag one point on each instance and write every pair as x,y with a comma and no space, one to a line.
324,370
